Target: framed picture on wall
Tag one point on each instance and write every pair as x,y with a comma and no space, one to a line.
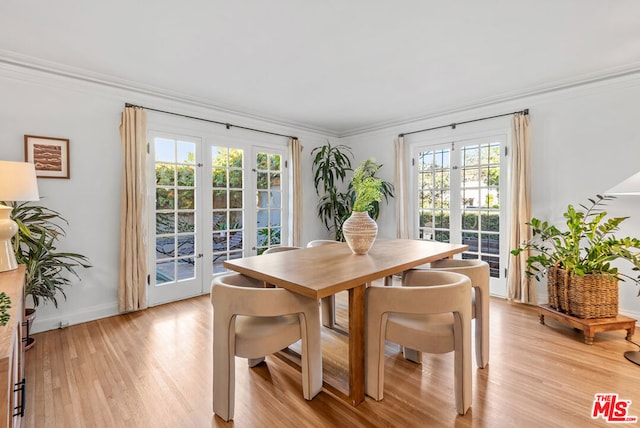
50,155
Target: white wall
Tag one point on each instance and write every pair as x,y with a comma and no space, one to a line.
584,141
88,115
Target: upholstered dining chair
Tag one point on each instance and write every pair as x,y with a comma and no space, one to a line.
253,322
328,303
431,313
279,249
478,273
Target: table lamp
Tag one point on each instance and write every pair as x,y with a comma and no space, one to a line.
17,183
629,186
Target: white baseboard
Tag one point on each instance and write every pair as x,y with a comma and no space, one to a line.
90,314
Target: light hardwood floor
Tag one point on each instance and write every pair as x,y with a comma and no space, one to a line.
153,369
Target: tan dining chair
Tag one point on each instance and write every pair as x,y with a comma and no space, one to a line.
478,273
431,313
279,249
252,322
328,303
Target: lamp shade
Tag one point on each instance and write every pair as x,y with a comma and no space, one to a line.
630,186
18,181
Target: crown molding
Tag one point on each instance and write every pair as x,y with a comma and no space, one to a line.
610,76
49,68
44,67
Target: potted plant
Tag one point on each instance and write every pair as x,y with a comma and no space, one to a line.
330,167
39,229
577,262
360,230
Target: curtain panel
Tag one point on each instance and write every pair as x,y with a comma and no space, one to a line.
132,288
519,286
295,154
401,183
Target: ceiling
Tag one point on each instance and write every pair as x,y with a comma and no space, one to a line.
336,66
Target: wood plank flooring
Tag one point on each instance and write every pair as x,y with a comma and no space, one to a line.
153,369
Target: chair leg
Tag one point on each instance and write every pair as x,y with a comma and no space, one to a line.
462,364
329,311
412,355
254,361
223,376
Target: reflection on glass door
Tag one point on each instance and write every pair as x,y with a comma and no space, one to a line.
176,267
228,184
268,200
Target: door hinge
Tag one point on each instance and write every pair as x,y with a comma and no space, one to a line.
505,272
506,151
286,164
413,161
148,148
148,280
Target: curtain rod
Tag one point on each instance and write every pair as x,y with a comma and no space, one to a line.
453,125
227,125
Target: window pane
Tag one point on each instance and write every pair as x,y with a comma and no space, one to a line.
186,152
219,177
186,199
219,199
186,175
186,245
186,222
219,156
219,220
186,268
235,178
235,240
261,159
165,272
235,158
274,162
165,174
165,247
235,198
165,223
164,199
262,180
165,150
235,220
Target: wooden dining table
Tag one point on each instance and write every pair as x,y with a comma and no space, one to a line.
325,270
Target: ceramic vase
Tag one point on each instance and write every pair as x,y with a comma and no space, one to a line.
360,231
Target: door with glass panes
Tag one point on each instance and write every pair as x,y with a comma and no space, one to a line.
212,202
460,194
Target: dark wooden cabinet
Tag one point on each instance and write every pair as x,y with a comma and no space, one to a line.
12,380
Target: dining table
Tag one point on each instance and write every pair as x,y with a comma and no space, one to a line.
322,271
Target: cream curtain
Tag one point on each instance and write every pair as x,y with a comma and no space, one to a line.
295,154
132,289
519,287
402,216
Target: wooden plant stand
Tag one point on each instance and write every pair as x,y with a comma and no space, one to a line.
589,327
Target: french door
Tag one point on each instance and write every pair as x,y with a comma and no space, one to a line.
213,200
460,198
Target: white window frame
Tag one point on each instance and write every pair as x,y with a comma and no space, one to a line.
426,142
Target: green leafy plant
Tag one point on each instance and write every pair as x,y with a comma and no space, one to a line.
330,167
588,246
5,304
39,229
366,188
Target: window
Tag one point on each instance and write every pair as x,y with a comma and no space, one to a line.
212,199
460,198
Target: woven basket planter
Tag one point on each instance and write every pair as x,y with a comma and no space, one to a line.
593,296
588,296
